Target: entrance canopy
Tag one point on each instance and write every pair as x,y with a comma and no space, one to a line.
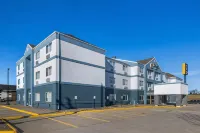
170,89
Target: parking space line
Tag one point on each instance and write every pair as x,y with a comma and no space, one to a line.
22,111
93,118
65,123
11,127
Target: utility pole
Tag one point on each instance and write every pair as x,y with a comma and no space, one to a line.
8,86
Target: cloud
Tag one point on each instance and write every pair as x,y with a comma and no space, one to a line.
190,73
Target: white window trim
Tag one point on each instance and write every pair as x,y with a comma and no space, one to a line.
37,56
36,75
49,48
37,97
18,97
48,72
46,97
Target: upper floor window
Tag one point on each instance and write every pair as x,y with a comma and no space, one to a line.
149,72
48,48
112,80
48,71
157,75
23,79
18,81
125,82
141,83
18,67
149,85
23,64
141,70
124,68
38,55
112,63
38,75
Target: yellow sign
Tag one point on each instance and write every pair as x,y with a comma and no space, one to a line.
185,69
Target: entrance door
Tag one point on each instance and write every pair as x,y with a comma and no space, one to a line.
29,99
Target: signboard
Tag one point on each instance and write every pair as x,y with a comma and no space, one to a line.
185,69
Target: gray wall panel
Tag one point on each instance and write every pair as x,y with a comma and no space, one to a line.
21,92
84,96
46,88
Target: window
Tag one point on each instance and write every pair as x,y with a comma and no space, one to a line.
112,63
37,97
48,71
48,48
23,79
23,64
125,97
18,67
124,67
141,70
18,97
38,75
112,80
125,82
149,72
157,75
18,81
149,84
141,97
38,55
48,97
141,83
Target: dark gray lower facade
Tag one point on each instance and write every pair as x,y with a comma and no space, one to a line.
20,93
115,96
42,103
175,99
81,96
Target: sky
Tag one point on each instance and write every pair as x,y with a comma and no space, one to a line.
168,30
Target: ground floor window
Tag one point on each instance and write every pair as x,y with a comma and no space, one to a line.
125,97
112,97
37,97
141,98
48,97
18,97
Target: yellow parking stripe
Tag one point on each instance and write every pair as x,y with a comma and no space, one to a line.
22,111
11,127
65,123
93,118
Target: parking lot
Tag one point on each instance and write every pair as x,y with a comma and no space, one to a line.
116,120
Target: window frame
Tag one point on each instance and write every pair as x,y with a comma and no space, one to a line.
18,97
37,56
48,48
125,97
37,94
124,82
46,97
141,83
18,81
48,71
36,76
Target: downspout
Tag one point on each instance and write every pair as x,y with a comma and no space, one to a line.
145,85
59,84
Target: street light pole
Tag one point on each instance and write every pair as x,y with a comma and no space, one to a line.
8,86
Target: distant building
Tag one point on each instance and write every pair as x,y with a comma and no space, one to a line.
7,91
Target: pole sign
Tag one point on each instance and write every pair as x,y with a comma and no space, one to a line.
185,69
